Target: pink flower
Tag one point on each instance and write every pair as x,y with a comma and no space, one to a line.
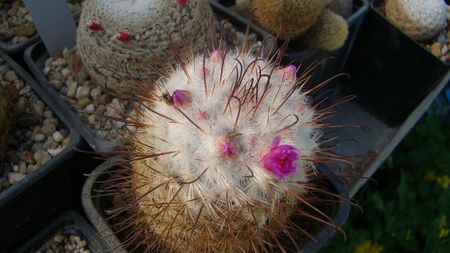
225,148
281,160
181,98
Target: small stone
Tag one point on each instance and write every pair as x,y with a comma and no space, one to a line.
90,108
14,177
41,157
50,143
57,136
22,167
49,126
36,147
92,119
65,141
96,93
436,49
55,151
444,50
72,88
29,18
58,238
22,104
55,83
26,30
83,92
10,76
48,114
39,137
27,157
84,102
15,168
25,90
38,108
105,99
65,72
58,62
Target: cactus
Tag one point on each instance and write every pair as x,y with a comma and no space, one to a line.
309,20
5,120
126,36
421,20
329,32
221,159
287,18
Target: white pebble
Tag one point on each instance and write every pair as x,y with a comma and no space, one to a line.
90,108
72,88
55,151
25,90
39,137
57,136
15,168
14,177
65,72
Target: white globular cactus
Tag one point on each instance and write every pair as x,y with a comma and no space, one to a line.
421,20
222,157
123,37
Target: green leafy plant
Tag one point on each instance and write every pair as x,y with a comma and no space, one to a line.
408,209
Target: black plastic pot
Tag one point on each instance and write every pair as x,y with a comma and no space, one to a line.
390,72
35,57
68,223
332,63
94,208
30,199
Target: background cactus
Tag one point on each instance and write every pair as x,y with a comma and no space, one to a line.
421,20
5,121
138,33
292,19
222,158
329,32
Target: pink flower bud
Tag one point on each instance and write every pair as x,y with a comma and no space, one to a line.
289,72
281,160
225,148
124,36
181,98
182,3
95,26
215,55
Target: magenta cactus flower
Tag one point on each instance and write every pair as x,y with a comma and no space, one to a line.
281,160
181,98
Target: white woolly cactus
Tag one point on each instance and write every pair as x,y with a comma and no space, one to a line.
127,36
421,20
222,157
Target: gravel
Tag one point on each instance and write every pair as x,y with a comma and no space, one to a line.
65,244
16,24
35,136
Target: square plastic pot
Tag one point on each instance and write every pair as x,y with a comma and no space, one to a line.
332,63
94,208
30,199
68,223
390,72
